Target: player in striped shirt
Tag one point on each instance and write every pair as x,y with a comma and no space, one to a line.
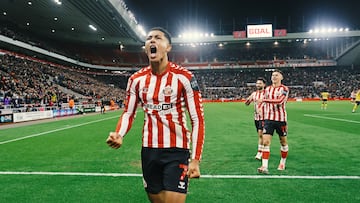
258,112
165,91
275,99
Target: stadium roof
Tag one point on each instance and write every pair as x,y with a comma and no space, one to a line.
90,21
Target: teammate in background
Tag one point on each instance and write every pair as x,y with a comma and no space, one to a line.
165,90
258,112
275,99
357,101
324,99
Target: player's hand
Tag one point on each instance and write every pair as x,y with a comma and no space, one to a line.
114,140
194,169
247,102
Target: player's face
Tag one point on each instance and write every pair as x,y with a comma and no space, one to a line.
260,85
276,77
156,46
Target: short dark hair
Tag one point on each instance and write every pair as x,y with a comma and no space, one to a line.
261,79
279,71
163,30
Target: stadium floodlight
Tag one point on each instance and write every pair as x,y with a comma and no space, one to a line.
55,18
58,2
141,29
52,30
92,27
29,2
72,28
27,23
4,13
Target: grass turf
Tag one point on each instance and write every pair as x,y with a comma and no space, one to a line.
321,143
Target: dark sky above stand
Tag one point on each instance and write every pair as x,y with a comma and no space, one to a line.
223,17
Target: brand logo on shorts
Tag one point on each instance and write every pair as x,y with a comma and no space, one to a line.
181,185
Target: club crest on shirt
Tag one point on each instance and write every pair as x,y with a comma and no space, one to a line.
167,91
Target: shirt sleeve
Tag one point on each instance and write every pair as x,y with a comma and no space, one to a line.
127,117
194,105
281,99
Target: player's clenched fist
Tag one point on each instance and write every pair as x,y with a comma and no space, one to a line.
194,169
114,140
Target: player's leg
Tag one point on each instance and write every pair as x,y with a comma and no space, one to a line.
267,136
325,104
260,145
259,127
284,148
355,106
175,176
152,174
265,154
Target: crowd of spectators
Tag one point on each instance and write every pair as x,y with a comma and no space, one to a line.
26,82
303,82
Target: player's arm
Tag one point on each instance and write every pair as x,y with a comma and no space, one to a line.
194,105
127,117
281,99
249,99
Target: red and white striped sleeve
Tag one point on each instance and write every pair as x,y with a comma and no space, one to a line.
282,98
127,117
194,105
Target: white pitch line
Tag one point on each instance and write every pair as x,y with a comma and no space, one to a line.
56,130
331,118
202,176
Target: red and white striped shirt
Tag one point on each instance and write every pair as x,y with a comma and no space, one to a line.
275,101
164,99
259,109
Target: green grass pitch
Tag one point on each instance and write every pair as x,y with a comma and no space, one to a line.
323,163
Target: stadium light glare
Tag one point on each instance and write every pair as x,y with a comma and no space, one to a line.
58,2
4,13
30,3
141,29
247,44
53,31
55,18
346,29
27,23
72,28
92,27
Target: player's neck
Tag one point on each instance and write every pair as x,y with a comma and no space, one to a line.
276,84
159,67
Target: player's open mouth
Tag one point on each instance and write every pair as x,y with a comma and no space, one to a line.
153,51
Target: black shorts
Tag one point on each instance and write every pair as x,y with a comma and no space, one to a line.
357,103
271,126
165,169
324,100
259,124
